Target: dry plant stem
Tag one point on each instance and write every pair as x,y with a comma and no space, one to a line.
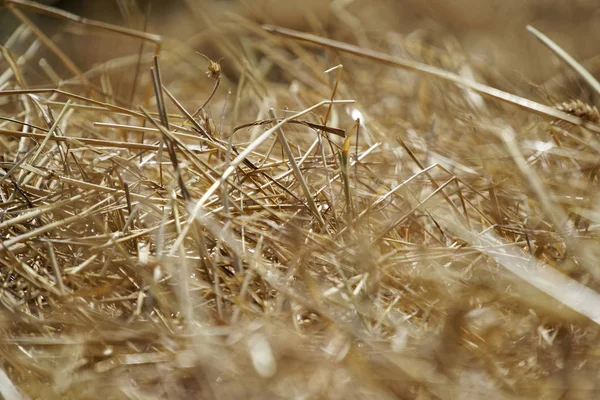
330,193
202,166
408,214
193,157
162,115
210,139
564,289
56,12
556,215
207,146
50,132
13,67
158,93
138,64
214,90
344,161
530,105
82,141
356,204
173,157
55,267
214,71
50,72
353,163
8,390
17,165
188,115
299,177
238,98
386,196
339,69
317,127
39,211
16,121
105,189
9,243
28,273
589,78
338,77
431,179
50,44
106,106
78,268
300,163
196,211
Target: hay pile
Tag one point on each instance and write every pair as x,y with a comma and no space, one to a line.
302,221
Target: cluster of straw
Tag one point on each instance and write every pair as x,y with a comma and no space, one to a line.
341,223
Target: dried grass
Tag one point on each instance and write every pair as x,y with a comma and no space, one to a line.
299,223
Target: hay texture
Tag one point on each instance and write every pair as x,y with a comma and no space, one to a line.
204,203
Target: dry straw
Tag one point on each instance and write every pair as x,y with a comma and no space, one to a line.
278,230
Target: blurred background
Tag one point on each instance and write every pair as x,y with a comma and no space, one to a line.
492,31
